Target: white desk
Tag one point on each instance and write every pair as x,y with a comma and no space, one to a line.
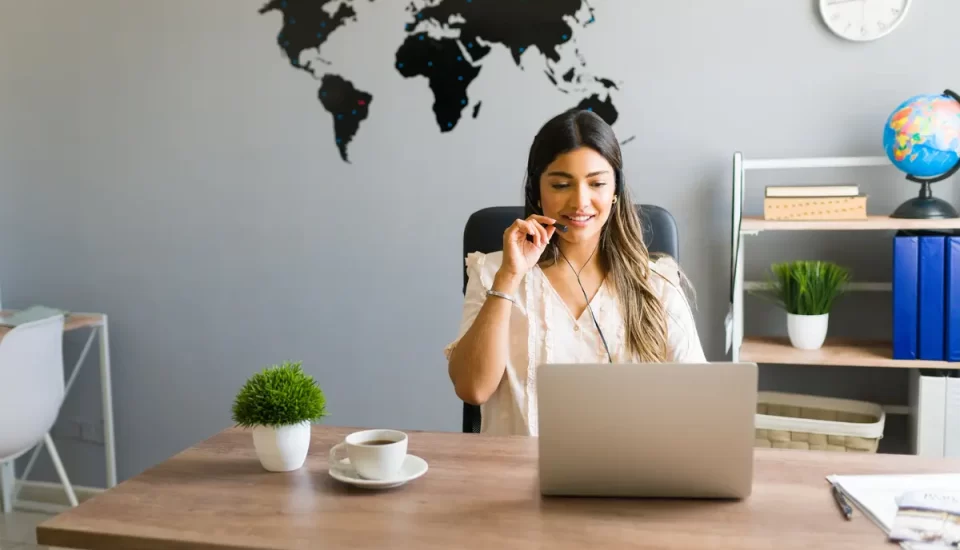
97,323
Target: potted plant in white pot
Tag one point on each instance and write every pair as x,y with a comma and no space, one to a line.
806,290
280,403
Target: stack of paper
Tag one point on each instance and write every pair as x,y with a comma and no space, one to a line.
879,496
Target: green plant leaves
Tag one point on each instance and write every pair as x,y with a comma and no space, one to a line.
808,287
279,395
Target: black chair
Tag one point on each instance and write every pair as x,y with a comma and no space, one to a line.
484,233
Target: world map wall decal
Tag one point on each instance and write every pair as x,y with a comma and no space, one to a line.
446,43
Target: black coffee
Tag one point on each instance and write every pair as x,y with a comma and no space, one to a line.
378,442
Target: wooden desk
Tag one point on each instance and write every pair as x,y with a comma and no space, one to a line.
97,323
480,492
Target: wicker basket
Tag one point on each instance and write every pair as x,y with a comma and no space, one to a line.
792,421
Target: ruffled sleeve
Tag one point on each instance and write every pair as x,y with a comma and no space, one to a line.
481,269
683,340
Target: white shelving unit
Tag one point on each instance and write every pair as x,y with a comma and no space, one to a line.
835,352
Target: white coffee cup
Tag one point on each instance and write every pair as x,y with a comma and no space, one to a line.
374,454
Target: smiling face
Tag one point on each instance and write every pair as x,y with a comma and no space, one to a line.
577,190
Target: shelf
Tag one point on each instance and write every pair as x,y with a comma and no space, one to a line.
872,223
853,286
837,352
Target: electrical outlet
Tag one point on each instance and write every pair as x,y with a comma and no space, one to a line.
89,431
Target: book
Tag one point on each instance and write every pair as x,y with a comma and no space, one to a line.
846,190
33,313
951,330
930,297
815,208
906,254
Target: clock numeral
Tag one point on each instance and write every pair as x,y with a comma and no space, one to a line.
835,17
863,31
881,25
895,11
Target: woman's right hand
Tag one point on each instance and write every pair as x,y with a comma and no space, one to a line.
520,254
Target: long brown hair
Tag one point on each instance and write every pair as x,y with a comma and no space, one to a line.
622,254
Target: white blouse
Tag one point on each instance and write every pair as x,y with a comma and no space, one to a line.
544,331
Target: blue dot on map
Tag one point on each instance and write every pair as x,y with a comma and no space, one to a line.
463,102
354,112
469,44
449,125
459,58
339,117
459,78
421,37
564,37
399,65
521,49
323,24
319,35
323,94
429,63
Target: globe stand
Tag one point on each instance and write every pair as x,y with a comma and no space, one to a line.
926,206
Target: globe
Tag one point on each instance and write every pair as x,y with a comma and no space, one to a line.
922,139
922,135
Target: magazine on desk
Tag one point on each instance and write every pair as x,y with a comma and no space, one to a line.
928,517
920,511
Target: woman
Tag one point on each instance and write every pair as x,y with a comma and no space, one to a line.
588,294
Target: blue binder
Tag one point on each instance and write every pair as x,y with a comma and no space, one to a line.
931,297
952,303
906,262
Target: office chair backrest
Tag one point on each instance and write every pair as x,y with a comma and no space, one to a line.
484,233
31,383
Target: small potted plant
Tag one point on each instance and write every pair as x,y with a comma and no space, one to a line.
280,403
806,290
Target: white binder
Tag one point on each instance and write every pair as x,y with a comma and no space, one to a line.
928,422
951,432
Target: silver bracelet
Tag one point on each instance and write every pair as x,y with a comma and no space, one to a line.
499,294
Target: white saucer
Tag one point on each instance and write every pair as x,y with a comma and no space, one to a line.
413,467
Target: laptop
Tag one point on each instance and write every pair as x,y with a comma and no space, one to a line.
676,430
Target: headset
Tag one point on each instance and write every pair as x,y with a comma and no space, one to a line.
532,206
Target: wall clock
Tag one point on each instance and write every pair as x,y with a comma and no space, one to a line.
863,20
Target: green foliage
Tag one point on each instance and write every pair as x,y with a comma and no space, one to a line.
808,287
279,395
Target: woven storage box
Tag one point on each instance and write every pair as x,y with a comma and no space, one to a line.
793,421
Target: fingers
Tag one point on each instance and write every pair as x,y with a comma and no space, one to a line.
535,230
532,227
542,219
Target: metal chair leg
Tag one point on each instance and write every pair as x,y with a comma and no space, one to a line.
7,480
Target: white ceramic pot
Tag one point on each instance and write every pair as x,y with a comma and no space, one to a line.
282,448
807,331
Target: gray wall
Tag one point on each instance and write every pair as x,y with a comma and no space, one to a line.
161,162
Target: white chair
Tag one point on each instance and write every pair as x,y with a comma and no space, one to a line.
31,393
